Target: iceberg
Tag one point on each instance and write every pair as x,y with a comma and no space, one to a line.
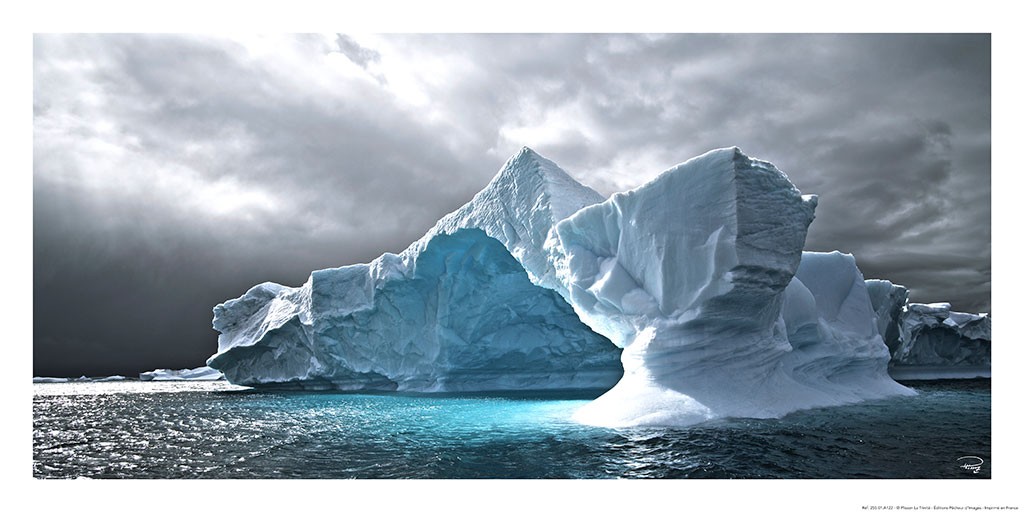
468,307
111,378
930,341
688,298
937,343
700,276
843,352
83,378
201,373
49,380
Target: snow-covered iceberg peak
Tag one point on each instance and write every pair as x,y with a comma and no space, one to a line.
687,273
519,208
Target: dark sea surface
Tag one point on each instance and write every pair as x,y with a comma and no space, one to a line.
214,430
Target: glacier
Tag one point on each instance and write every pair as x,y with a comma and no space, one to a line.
687,298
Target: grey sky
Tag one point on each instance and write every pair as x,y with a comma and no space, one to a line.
172,172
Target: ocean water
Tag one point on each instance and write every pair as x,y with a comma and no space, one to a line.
215,430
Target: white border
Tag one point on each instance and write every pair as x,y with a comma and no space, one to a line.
515,16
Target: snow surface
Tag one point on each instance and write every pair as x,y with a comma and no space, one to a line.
538,282
201,373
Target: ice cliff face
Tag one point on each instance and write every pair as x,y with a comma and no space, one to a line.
888,300
930,341
933,334
459,310
936,342
697,278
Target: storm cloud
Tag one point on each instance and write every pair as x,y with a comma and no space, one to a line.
173,172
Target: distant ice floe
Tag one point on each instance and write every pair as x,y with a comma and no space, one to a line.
201,373
83,378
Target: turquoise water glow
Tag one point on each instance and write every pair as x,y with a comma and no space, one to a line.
208,430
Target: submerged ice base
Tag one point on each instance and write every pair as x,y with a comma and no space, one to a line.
695,281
